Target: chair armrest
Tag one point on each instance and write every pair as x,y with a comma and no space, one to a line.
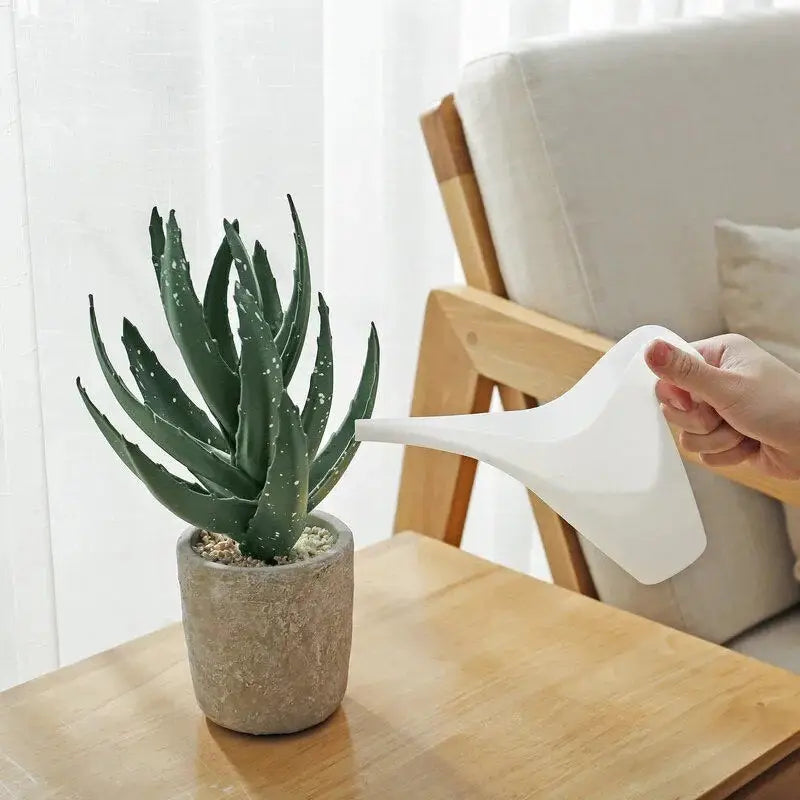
544,357
513,346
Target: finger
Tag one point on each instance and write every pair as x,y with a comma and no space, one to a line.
671,395
712,349
718,441
687,371
702,419
743,451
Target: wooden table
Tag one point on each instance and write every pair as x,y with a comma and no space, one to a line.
467,681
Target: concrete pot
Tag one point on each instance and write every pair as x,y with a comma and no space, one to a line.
269,647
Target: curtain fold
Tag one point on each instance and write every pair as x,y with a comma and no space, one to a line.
216,109
28,634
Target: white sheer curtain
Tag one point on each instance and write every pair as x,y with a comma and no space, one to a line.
214,108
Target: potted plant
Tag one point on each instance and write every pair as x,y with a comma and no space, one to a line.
266,581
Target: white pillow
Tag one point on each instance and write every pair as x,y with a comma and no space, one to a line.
759,273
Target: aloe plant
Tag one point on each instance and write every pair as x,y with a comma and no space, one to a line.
257,462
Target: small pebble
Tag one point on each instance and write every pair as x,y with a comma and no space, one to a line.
222,549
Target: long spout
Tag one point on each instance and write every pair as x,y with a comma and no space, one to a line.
455,434
485,437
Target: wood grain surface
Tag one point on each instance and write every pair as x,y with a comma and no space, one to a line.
468,681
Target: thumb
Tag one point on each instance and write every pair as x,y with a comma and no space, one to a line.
686,371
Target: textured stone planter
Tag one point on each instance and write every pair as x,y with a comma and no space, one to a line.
269,648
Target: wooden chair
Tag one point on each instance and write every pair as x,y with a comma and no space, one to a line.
475,339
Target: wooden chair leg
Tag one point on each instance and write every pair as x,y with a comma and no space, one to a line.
435,487
561,546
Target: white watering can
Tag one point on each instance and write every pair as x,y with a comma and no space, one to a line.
601,455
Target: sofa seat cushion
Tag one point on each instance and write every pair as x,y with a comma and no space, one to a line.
603,163
776,641
744,575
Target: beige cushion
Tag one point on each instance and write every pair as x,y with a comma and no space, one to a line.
776,641
603,163
759,272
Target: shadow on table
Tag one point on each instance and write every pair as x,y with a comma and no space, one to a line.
355,754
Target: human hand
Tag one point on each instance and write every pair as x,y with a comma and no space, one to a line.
739,404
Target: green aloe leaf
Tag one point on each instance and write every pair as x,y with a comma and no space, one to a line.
292,334
213,488
193,454
243,262
116,441
186,500
163,394
156,241
341,447
221,515
281,514
270,298
215,302
111,434
218,384
262,387
317,407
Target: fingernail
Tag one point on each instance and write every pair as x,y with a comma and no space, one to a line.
660,354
